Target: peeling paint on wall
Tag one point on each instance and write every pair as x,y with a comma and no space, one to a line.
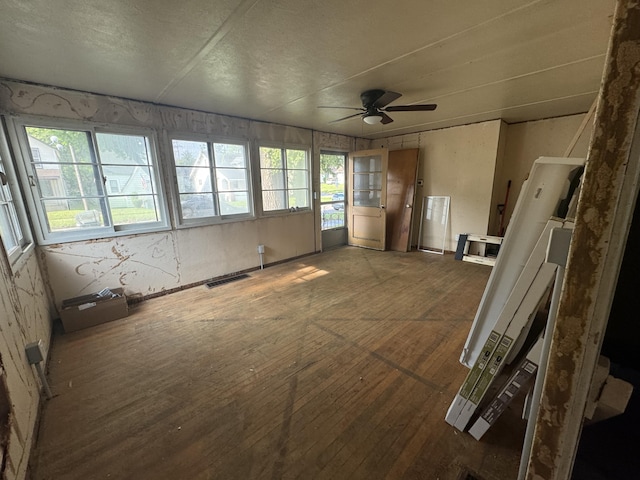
26,319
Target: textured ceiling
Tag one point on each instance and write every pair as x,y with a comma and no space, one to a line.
279,60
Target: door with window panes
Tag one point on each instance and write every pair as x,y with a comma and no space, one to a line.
367,197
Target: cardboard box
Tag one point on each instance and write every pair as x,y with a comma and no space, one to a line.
89,310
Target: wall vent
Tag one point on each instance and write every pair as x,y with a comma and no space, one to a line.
222,281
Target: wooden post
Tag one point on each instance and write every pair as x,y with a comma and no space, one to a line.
605,208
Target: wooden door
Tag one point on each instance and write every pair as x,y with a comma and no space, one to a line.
401,187
367,195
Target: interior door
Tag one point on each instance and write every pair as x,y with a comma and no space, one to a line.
367,195
401,188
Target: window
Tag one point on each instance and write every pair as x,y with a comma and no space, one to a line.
212,180
332,192
284,173
35,154
14,239
72,180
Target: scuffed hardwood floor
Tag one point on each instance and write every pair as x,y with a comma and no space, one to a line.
335,366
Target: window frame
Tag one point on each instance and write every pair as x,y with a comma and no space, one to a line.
218,218
25,243
283,148
19,137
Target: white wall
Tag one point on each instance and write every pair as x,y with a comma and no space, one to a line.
458,162
529,140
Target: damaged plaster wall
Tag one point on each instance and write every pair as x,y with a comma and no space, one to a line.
150,263
458,162
26,319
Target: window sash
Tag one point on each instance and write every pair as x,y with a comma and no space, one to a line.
15,239
212,179
68,187
285,182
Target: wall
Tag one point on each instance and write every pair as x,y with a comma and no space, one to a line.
530,140
25,319
459,162
151,263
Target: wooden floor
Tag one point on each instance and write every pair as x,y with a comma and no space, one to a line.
335,366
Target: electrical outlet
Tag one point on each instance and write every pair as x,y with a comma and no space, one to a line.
34,352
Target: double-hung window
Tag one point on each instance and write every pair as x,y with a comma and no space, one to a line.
91,182
284,175
15,239
213,180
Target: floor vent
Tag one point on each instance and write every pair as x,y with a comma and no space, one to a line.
222,281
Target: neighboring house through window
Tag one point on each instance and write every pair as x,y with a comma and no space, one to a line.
213,180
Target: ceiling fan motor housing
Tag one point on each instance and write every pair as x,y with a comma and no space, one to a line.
370,97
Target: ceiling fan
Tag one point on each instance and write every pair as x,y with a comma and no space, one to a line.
374,107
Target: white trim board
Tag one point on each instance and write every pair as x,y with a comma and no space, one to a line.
508,330
538,201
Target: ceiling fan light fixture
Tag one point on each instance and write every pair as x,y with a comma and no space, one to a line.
372,119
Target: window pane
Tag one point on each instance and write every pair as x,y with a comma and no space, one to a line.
332,217
118,149
272,179
367,164
229,155
367,181
71,214
129,209
298,198
296,159
366,198
273,200
5,191
126,161
15,222
190,153
193,179
9,238
234,203
297,178
59,146
271,158
68,178
231,179
197,206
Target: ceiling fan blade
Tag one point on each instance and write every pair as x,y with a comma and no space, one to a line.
386,98
347,108
385,118
344,118
411,108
